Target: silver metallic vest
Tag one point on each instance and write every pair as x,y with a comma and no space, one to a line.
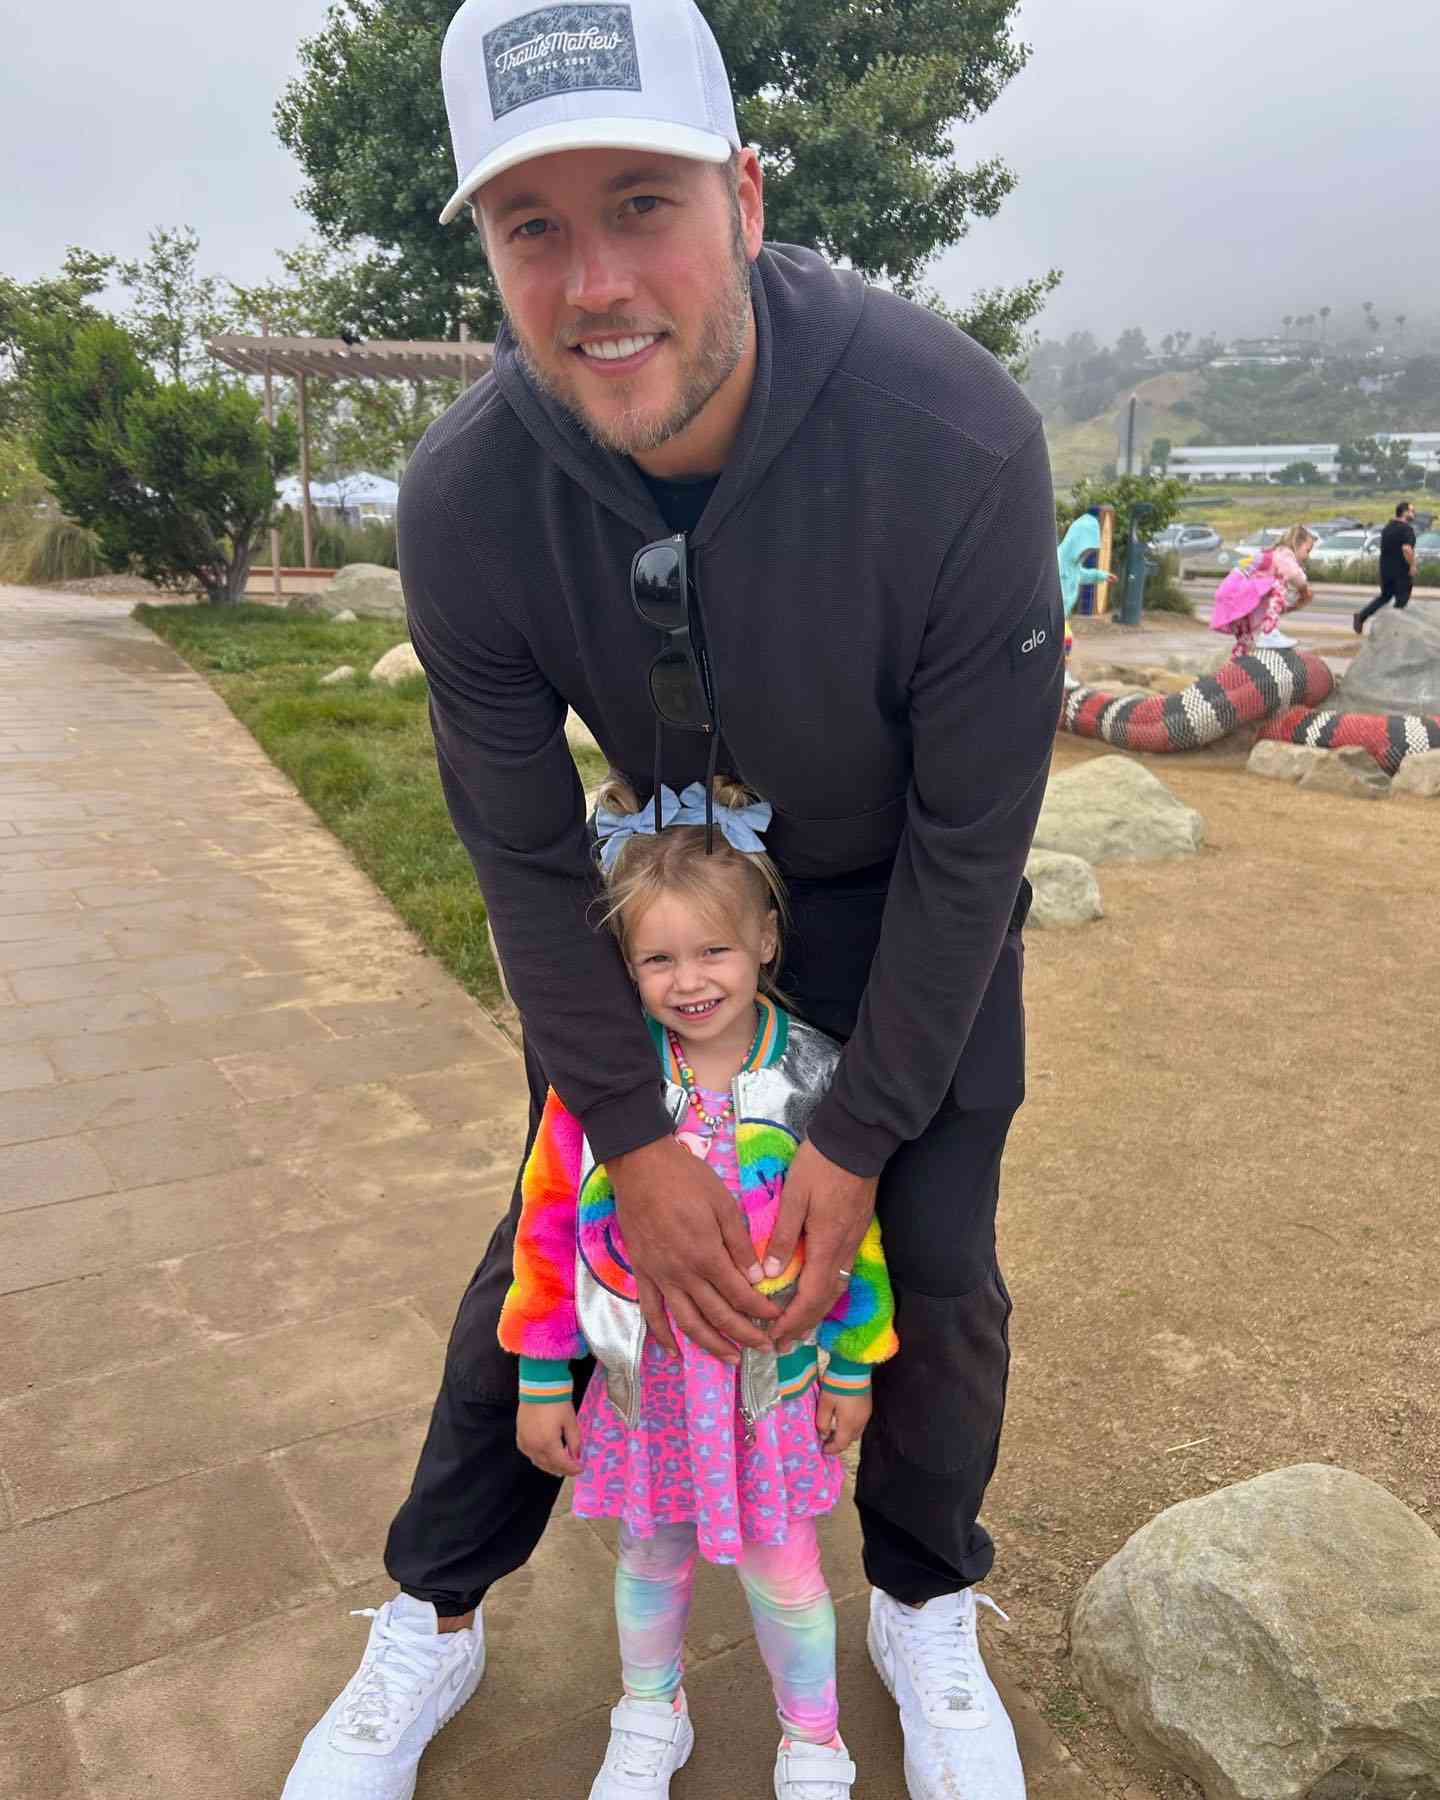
784,1093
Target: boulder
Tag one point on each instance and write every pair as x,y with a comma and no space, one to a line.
367,589
344,617
1066,891
397,665
1397,668
1275,1639
1113,810
1352,771
1419,775
344,673
1283,762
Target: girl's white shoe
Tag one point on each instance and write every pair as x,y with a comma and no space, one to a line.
813,1772
649,1741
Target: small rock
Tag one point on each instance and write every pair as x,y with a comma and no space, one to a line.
1275,1639
1111,810
1283,762
344,617
1066,891
344,673
1419,775
397,665
1351,771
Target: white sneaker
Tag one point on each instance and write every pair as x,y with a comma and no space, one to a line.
412,1679
649,1741
1274,640
813,1772
958,1736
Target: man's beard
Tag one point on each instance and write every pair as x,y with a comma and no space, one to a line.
723,334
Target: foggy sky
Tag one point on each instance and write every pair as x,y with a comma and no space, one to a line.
1204,166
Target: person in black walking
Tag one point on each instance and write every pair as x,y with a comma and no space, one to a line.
1397,565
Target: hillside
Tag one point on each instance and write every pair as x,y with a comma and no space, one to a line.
1085,449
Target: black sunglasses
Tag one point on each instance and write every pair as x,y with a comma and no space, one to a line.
681,690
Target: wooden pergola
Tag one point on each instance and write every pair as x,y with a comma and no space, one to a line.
333,359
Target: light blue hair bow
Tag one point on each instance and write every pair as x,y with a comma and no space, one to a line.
739,825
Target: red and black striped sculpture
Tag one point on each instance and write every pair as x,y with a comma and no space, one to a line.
1245,691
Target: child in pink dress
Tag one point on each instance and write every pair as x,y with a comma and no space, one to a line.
1251,602
693,1455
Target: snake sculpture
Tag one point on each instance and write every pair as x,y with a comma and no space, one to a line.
1276,690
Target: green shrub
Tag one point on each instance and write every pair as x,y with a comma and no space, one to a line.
1163,592
38,548
336,545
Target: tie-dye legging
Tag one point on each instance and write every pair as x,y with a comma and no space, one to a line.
789,1602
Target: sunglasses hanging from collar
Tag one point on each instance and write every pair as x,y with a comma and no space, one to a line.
680,682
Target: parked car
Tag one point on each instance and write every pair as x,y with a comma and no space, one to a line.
1324,528
1427,547
1189,542
1250,546
1344,547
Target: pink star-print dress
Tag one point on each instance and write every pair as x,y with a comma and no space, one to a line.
692,1459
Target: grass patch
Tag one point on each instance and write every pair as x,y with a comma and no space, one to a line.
360,754
1064,1708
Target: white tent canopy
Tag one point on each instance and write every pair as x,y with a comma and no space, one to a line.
360,489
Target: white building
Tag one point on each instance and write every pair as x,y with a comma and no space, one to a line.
1263,462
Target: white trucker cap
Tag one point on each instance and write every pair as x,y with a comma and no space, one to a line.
592,75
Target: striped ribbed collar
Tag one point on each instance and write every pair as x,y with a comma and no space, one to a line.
772,1032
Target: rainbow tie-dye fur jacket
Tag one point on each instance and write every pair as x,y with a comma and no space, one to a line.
574,1293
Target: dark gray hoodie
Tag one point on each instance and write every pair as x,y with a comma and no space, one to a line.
878,575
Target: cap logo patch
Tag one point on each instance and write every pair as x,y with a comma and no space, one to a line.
560,50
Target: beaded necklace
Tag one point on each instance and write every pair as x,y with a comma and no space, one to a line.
712,1121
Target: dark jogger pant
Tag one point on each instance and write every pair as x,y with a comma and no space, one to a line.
1393,587
477,1507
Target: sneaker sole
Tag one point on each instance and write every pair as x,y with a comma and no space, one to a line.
466,1694
688,1740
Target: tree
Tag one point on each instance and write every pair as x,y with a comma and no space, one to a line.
1300,474
851,107
1124,492
1324,315
176,310
1287,322
176,481
28,310
998,318
1160,454
1131,348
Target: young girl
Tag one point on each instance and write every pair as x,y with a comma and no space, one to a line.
688,1452
1251,602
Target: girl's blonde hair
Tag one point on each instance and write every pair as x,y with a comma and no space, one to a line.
720,886
1294,538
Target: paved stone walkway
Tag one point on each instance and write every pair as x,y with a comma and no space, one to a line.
252,1141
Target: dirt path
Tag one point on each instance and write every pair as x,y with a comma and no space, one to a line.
1219,1219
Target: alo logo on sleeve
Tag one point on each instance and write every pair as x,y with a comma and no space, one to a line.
1037,641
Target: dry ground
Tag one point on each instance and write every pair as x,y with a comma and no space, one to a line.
1218,1219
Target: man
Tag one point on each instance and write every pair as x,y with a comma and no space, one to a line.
1397,565
870,636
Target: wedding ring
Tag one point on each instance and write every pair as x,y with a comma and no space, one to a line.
844,1274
